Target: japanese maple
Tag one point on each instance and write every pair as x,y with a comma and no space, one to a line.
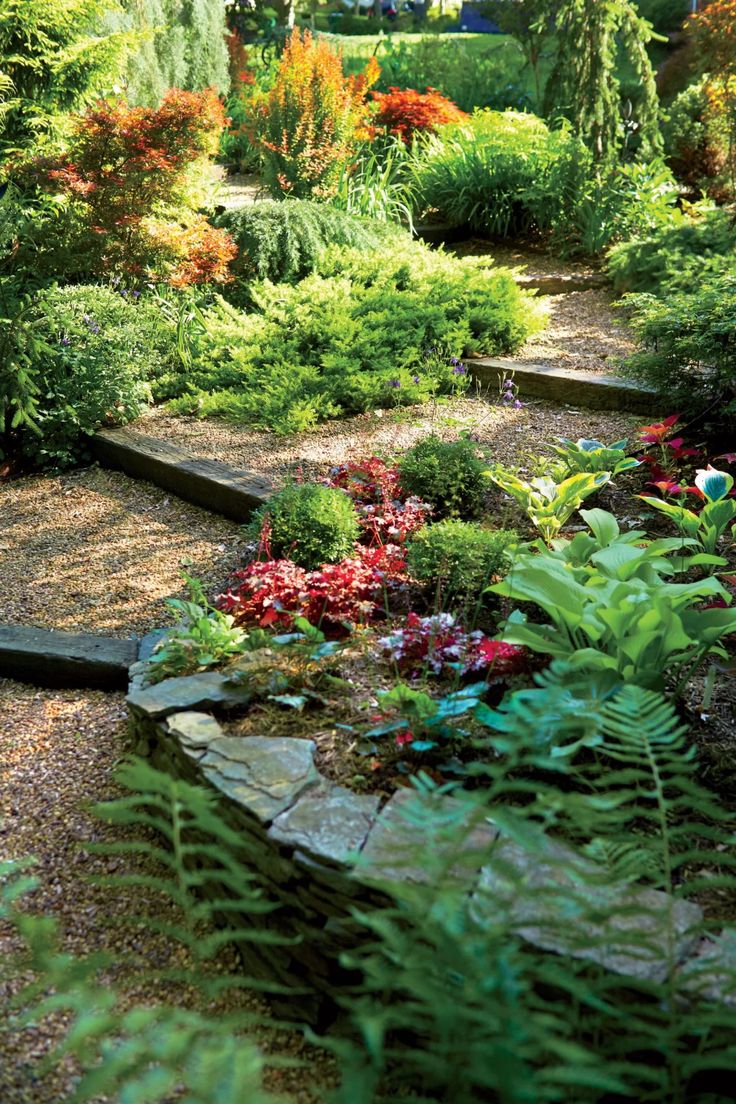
406,112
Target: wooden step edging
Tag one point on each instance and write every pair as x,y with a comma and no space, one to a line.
208,483
44,657
565,385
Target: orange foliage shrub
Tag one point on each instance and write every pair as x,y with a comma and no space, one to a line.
124,171
310,123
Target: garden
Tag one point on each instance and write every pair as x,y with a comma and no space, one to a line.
368,542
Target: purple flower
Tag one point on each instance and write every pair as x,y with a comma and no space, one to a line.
508,385
65,341
415,379
459,369
136,295
94,328
518,404
124,293
394,383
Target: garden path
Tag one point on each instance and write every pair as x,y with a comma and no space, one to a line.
96,551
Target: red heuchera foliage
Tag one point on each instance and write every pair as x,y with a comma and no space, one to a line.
429,644
310,122
386,515
124,166
404,111
335,595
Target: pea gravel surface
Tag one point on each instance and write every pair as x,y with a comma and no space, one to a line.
58,750
93,551
509,434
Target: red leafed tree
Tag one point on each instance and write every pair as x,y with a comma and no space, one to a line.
405,112
125,173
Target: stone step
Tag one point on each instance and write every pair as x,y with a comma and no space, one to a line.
60,659
211,484
566,385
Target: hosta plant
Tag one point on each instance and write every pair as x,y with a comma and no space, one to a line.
716,515
205,637
627,555
629,631
548,504
589,455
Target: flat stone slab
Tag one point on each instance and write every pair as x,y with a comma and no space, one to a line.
265,775
62,659
215,486
188,692
566,385
401,834
563,896
329,822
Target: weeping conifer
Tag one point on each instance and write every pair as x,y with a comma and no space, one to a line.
584,85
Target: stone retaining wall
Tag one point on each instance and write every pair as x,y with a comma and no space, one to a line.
320,850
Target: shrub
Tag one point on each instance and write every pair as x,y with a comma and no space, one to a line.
405,112
308,522
677,256
124,173
459,556
448,475
283,241
368,329
51,63
504,173
693,149
619,202
310,122
99,346
688,342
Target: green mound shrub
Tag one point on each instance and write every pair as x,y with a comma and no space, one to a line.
504,173
678,255
688,350
460,556
309,524
367,329
283,241
94,351
448,474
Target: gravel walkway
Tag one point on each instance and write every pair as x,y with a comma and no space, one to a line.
583,329
95,551
57,753
510,434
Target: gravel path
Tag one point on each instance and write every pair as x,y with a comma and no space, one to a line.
583,329
94,551
57,753
509,433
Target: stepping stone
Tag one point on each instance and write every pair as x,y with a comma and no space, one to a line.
566,385
62,659
215,486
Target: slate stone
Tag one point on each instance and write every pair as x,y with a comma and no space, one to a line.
202,691
328,822
194,731
416,836
46,658
557,900
710,975
265,775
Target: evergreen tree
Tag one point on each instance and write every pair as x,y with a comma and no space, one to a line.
584,84
184,47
